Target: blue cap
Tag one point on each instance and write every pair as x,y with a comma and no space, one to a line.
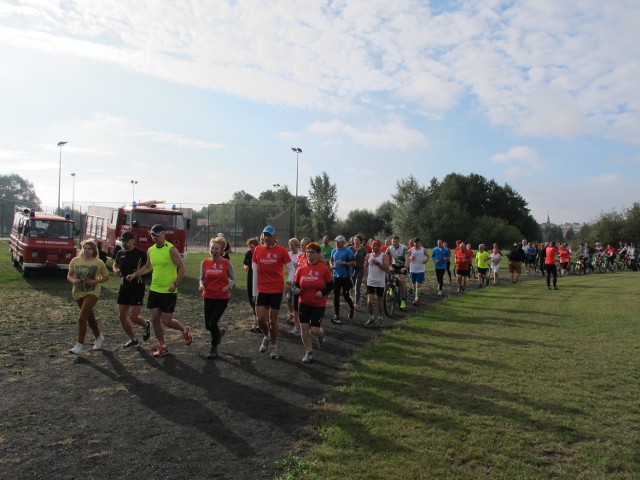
269,230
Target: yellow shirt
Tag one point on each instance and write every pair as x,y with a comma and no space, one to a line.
87,270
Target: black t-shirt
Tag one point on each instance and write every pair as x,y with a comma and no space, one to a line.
129,262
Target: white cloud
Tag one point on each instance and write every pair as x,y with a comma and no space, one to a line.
605,179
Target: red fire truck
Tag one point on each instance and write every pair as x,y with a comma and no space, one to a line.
107,224
39,240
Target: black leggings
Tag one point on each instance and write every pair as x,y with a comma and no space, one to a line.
358,274
449,270
440,276
213,310
344,284
551,270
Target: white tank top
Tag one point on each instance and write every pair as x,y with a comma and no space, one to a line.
376,276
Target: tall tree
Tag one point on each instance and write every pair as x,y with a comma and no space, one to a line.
19,190
323,200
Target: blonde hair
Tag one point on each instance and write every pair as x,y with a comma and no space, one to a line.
253,241
219,240
92,243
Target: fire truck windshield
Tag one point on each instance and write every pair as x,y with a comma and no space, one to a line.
48,228
149,219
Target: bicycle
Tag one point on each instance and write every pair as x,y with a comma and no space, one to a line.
391,295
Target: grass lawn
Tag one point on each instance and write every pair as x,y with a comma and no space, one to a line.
509,382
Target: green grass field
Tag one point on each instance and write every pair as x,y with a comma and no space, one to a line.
507,382
512,382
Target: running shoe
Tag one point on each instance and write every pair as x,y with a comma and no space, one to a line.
336,320
274,352
162,351
131,343
264,345
370,322
416,302
295,331
308,357
213,352
403,304
379,323
187,335
439,293
321,342
98,343
222,332
76,349
147,332
351,313
255,329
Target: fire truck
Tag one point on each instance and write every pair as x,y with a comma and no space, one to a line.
41,241
107,224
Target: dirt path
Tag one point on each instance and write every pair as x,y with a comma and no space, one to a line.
125,414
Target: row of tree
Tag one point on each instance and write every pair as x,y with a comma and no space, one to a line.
466,207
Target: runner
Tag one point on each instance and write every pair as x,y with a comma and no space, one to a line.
376,266
164,260
482,263
313,283
217,278
359,252
131,294
342,259
418,257
441,260
268,280
252,243
86,273
399,256
496,258
565,258
464,257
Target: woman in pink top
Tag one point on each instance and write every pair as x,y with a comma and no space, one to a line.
565,259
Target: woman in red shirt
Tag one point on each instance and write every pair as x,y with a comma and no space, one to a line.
565,259
313,282
550,265
217,278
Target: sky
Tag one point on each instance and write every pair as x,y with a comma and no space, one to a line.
198,99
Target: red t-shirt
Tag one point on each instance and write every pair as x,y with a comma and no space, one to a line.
312,279
270,263
216,277
302,259
565,255
464,258
550,255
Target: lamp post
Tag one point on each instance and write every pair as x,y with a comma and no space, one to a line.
297,151
133,190
60,145
73,191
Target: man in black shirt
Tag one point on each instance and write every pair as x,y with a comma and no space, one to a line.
131,294
516,256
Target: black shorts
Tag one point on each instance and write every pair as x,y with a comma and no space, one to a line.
463,273
482,271
397,269
311,315
269,300
131,293
166,302
378,291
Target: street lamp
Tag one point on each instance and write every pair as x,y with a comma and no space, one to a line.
297,151
133,190
73,191
60,145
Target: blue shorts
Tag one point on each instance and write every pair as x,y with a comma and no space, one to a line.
417,277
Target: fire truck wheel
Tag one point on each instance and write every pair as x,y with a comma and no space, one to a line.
24,271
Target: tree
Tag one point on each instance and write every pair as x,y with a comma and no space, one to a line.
19,190
362,222
323,200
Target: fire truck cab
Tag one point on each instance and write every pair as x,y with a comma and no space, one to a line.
41,241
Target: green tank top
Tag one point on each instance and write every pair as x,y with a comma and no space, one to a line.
165,271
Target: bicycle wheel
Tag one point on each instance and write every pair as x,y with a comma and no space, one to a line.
602,267
390,292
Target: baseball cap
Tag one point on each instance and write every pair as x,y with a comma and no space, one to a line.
126,236
156,230
340,238
220,235
269,230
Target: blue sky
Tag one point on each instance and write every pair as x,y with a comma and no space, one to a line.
198,99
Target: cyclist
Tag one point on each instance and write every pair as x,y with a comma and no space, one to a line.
399,257
610,253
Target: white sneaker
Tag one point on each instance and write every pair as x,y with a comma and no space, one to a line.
308,357
98,343
439,293
76,349
274,352
264,345
295,331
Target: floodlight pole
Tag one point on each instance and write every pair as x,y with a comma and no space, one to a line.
297,151
60,145
133,191
73,191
